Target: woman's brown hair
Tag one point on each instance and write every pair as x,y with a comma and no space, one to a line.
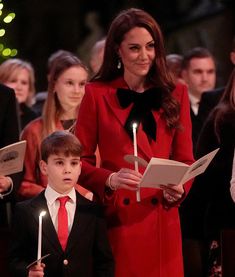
52,109
226,106
158,75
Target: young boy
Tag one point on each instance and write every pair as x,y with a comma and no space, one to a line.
86,252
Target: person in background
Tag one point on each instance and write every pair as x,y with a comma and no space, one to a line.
96,56
174,63
9,133
40,97
194,248
134,85
19,75
211,98
211,191
82,249
199,73
66,87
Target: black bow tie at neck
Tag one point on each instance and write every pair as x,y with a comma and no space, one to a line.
141,112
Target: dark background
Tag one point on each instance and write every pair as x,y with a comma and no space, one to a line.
44,26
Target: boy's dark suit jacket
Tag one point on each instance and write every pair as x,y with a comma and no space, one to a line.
87,253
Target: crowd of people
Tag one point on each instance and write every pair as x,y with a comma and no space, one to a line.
78,133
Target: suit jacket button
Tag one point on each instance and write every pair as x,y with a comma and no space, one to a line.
126,201
154,201
65,262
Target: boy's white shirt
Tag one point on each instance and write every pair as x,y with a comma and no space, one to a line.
53,205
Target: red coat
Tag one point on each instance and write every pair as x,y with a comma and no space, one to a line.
145,236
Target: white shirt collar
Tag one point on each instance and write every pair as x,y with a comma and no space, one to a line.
52,195
194,102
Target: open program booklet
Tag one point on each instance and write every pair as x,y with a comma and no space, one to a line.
169,172
12,158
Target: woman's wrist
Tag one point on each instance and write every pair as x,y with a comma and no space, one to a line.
109,182
10,183
9,188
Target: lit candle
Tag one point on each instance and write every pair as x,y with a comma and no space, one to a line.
135,145
40,236
134,126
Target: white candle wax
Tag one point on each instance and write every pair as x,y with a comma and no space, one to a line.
134,126
135,145
39,254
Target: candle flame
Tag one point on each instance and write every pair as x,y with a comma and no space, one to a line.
42,213
134,125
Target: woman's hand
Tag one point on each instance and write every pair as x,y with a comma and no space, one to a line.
173,193
124,179
5,183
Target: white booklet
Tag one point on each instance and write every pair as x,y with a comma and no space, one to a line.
169,172
12,158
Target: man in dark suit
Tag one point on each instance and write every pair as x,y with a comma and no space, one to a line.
84,250
199,73
193,245
9,130
210,99
9,133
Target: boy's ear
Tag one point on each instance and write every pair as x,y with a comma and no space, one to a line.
43,167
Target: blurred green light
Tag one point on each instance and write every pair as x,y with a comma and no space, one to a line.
14,52
1,6
9,17
6,52
0,13
2,32
13,15
1,46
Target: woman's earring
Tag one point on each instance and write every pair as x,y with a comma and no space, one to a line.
119,65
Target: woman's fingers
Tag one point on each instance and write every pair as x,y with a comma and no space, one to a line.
126,179
172,193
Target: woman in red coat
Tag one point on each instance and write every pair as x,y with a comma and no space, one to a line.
133,85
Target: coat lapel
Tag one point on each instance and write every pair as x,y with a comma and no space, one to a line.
121,114
112,101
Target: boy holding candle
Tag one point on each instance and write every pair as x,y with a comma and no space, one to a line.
85,251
